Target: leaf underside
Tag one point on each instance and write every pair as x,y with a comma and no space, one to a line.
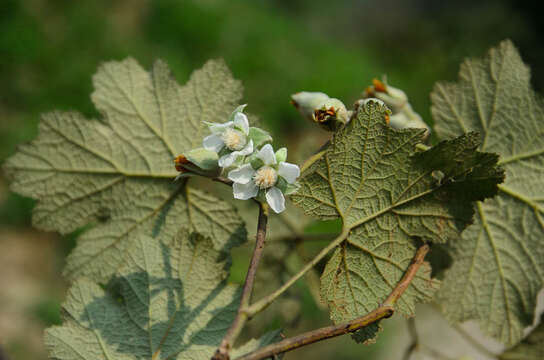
389,201
169,301
116,173
498,266
530,348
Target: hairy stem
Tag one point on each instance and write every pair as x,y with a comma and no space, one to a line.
383,311
241,318
266,301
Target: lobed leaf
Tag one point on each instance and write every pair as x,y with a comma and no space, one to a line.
388,200
116,173
169,301
498,266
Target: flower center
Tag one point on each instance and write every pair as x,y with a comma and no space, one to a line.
234,139
265,177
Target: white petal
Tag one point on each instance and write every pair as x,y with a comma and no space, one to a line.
248,149
240,121
227,160
244,191
275,199
242,175
213,142
290,172
217,128
266,154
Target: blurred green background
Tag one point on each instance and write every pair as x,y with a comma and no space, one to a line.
49,50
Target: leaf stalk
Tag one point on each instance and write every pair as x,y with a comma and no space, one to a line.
266,301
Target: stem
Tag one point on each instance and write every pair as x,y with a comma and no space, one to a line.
311,160
422,147
313,336
382,312
223,180
264,302
241,318
403,284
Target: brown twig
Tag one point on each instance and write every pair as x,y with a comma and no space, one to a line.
313,336
383,311
403,284
222,352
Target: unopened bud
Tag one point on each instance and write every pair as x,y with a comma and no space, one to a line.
408,119
198,161
403,116
331,115
394,98
307,102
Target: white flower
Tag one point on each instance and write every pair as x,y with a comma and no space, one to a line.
273,175
230,139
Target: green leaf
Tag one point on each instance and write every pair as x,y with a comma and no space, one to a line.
499,265
169,301
530,348
387,198
117,172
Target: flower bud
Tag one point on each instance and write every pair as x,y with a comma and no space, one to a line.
394,98
198,161
408,119
318,107
403,116
331,115
307,102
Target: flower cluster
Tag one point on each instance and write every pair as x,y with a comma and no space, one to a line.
245,156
